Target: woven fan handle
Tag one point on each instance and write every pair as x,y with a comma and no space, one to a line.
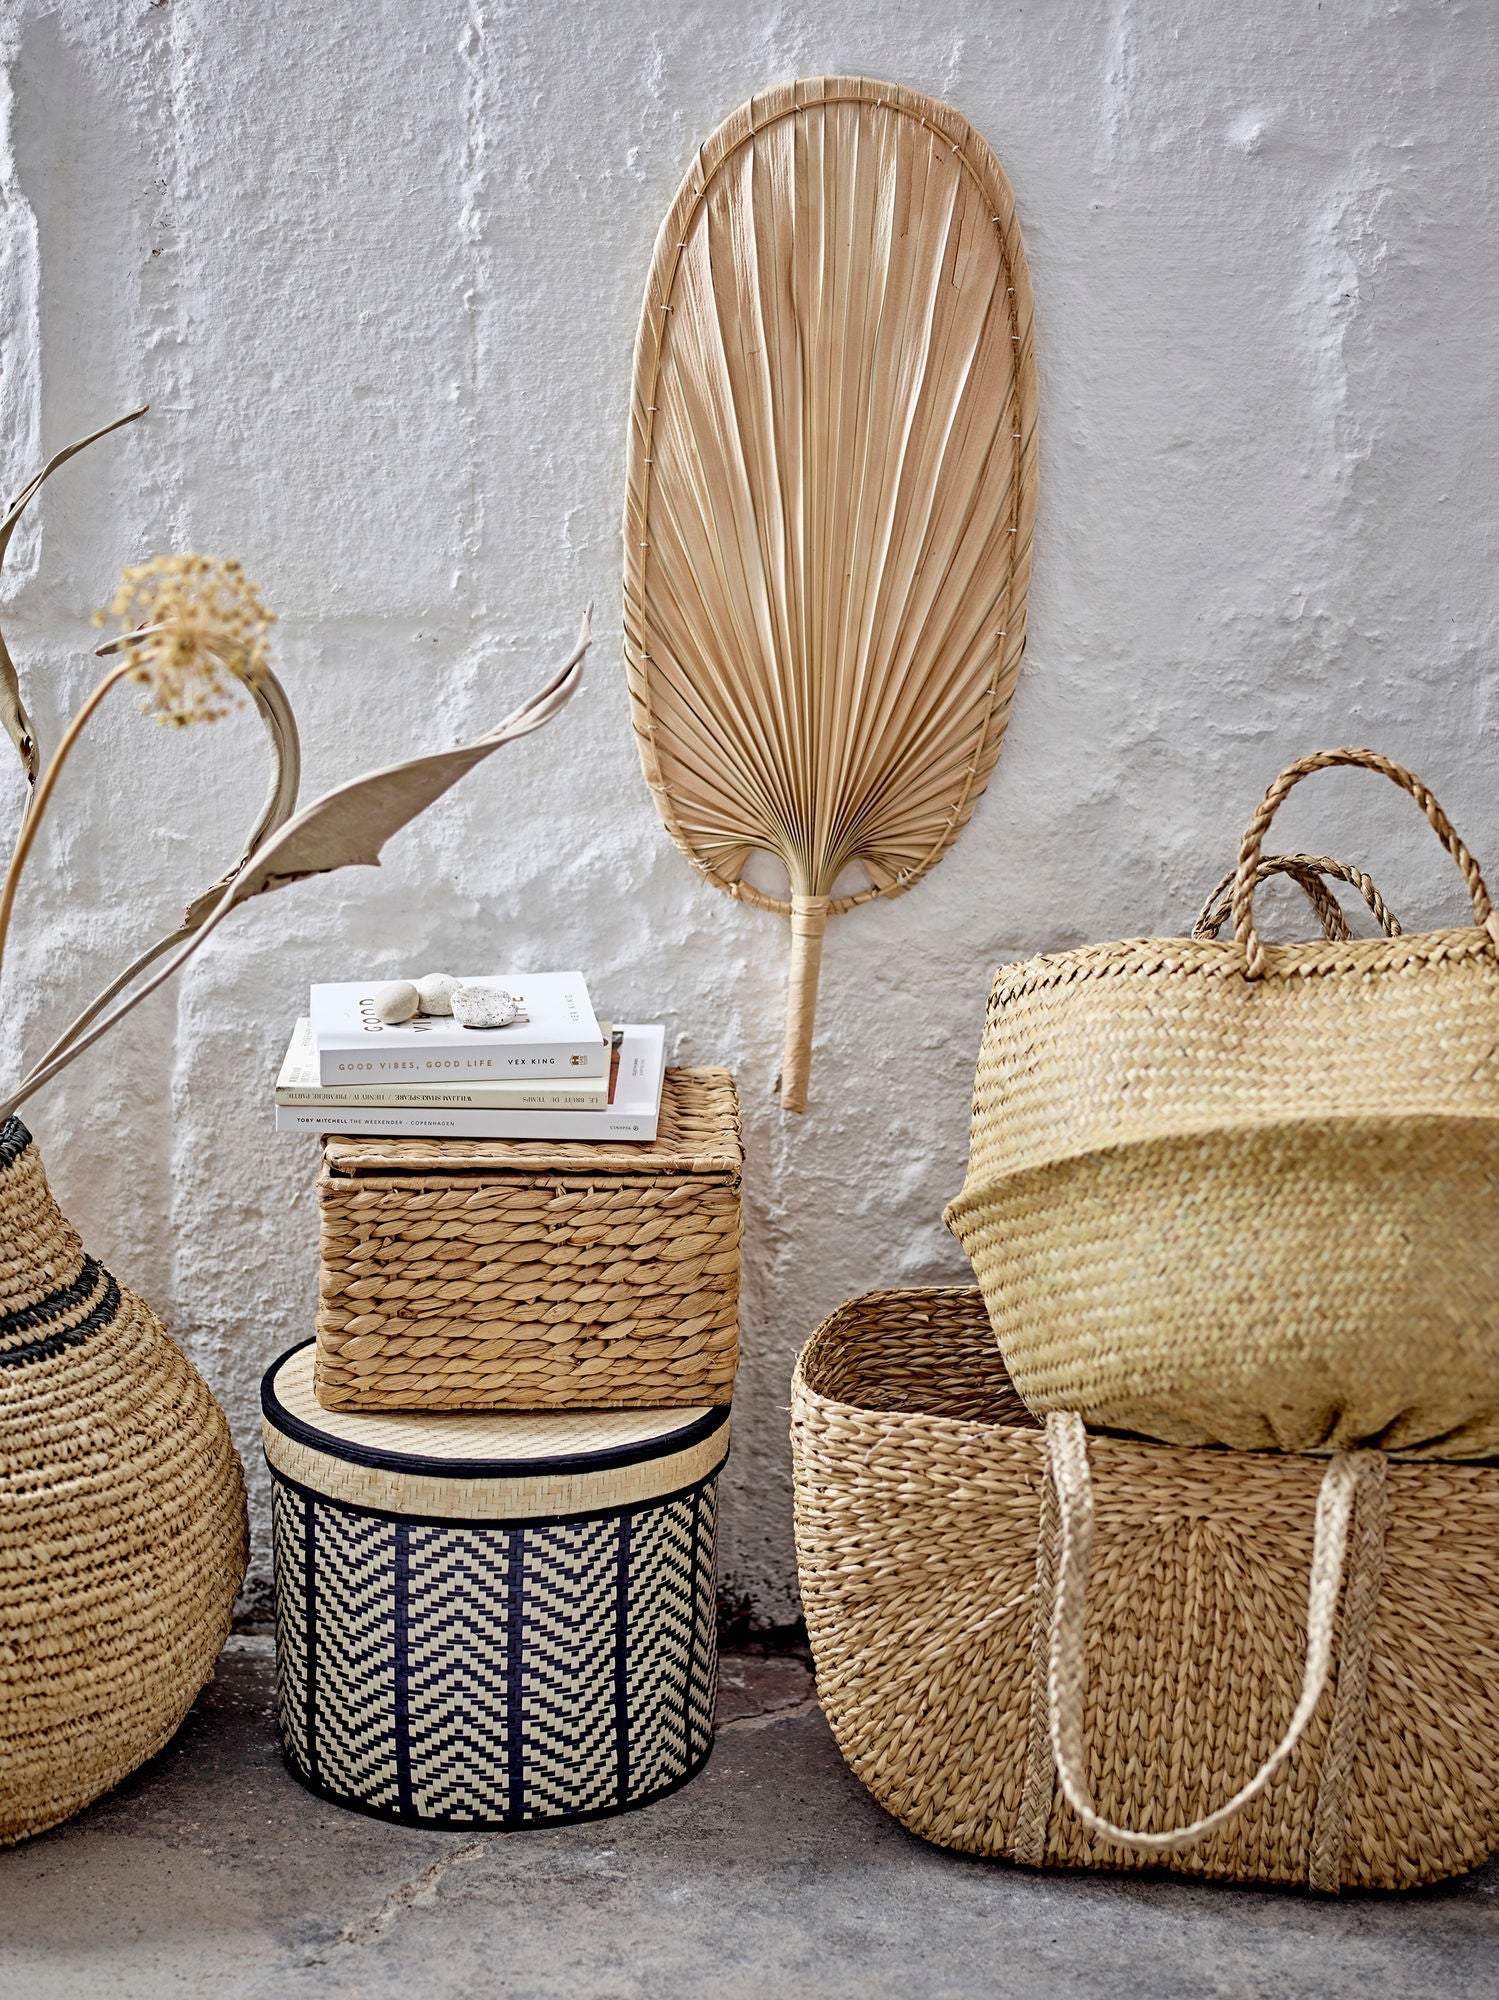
1067,1454
809,920
1323,760
1307,871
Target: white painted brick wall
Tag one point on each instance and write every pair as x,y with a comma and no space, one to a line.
377,263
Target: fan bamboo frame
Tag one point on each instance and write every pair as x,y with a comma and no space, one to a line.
831,490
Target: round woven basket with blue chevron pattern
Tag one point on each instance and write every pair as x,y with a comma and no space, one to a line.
492,1621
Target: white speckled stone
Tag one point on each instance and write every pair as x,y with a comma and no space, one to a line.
396,1002
483,1007
436,990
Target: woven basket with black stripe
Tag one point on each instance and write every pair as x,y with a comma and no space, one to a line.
122,1516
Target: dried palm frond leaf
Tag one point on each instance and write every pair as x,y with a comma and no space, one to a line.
349,826
831,487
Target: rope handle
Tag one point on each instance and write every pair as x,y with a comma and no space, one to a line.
1067,1456
1369,760
1307,871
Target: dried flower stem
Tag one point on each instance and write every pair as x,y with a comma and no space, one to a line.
13,716
347,826
280,725
43,794
197,630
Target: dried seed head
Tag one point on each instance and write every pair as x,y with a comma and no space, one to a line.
198,634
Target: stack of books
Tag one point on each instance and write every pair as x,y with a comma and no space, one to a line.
556,1072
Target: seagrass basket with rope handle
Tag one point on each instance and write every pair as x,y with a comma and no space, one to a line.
1087,1650
1224,1192
498,1274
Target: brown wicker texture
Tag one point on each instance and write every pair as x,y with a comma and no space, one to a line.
929,1548
829,502
122,1516
500,1275
1224,1193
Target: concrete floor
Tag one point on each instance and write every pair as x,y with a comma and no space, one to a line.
212,1874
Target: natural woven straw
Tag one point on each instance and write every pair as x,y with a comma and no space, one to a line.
829,500
122,1516
1162,1628
1308,871
1230,1193
504,1275
526,1466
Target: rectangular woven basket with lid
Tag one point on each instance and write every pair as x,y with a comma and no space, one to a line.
507,1275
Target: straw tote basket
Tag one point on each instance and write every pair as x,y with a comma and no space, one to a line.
1092,1651
1248,1195
122,1516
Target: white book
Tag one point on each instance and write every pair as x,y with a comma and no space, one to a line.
298,1084
555,1035
632,1115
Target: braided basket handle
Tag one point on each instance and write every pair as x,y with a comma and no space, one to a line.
1307,871
1323,760
1067,1454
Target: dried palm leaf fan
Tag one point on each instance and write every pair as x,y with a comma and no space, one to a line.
832,481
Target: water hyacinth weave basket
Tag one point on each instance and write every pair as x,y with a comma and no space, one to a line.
495,1620
976,1602
507,1275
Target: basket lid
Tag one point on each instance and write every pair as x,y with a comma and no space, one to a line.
524,1465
